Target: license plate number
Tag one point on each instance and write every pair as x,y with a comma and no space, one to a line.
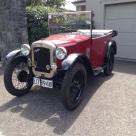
43,82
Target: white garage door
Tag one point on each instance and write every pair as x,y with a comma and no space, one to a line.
122,17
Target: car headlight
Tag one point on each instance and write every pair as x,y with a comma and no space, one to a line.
61,53
25,49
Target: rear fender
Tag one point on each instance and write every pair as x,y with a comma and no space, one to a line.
69,62
114,33
113,45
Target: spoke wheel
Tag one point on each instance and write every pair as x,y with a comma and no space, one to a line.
20,76
17,77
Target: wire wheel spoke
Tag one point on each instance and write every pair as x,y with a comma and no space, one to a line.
20,85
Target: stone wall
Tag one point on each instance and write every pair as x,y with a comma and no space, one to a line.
13,25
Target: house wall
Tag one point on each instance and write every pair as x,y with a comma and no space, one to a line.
13,25
98,6
80,5
95,6
119,15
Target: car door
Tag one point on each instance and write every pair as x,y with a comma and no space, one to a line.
98,51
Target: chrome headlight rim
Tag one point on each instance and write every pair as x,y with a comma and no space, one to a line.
25,49
60,53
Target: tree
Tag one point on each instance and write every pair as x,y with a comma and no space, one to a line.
55,3
35,2
50,3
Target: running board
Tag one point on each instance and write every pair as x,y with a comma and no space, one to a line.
97,71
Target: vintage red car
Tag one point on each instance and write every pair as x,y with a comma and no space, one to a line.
63,59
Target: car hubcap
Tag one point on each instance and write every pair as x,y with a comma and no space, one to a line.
22,76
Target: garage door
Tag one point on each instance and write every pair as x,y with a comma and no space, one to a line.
122,17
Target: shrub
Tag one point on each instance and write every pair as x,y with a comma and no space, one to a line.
37,20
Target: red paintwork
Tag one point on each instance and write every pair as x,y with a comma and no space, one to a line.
67,39
79,43
98,50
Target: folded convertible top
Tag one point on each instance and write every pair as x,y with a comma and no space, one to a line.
98,32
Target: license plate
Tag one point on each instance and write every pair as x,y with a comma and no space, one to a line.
43,82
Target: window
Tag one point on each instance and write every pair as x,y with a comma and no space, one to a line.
81,8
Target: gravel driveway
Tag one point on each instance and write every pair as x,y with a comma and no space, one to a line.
108,109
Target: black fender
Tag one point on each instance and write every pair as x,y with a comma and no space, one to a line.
114,33
14,55
112,44
74,58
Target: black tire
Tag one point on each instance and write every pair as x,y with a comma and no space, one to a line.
109,63
8,79
74,83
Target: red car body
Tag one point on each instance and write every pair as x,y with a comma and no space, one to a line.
77,43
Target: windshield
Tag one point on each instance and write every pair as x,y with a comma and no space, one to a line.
64,22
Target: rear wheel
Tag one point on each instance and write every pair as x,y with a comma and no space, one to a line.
109,63
73,86
17,78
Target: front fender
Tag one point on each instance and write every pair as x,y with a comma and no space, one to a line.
74,58
13,55
69,61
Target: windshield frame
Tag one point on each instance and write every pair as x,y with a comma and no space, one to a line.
71,13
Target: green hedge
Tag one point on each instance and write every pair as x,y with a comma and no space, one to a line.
37,19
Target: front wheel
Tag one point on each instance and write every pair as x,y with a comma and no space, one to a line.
17,78
73,86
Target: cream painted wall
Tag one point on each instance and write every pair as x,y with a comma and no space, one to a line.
121,16
98,6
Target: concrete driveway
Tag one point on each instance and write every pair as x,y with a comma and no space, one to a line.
108,109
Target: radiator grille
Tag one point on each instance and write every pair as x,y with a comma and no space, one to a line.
41,59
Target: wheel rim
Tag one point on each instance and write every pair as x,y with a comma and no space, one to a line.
17,76
76,88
